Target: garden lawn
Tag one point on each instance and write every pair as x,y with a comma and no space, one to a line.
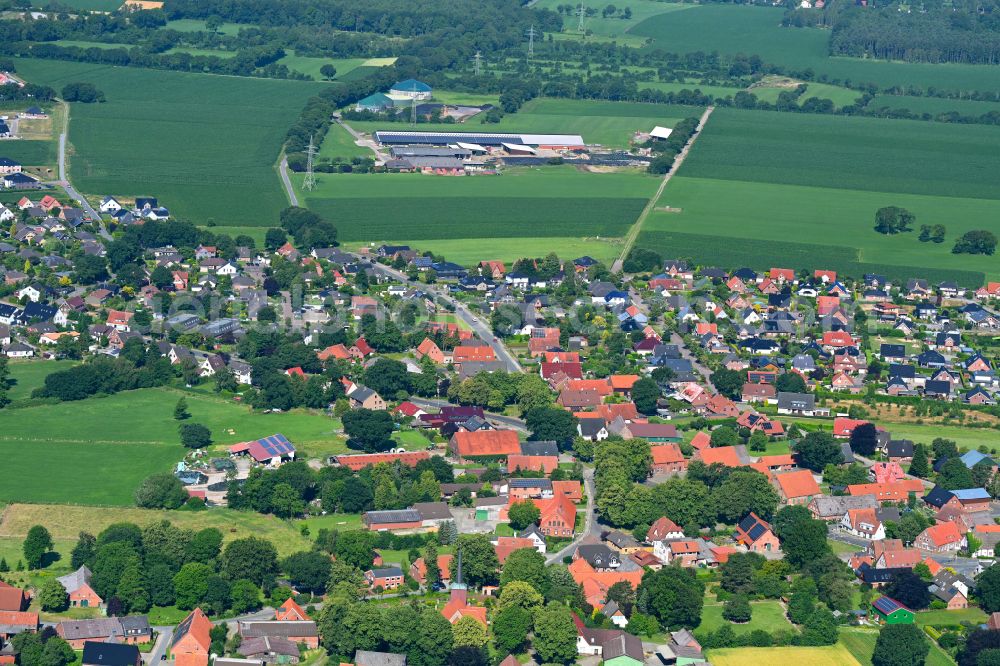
861,644
341,522
746,29
767,615
943,617
205,145
834,655
65,522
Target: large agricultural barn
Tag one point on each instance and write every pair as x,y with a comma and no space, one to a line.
518,142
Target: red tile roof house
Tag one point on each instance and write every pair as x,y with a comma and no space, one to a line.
843,426
667,459
15,622
429,349
940,538
13,598
388,578
119,320
464,353
798,487
571,489
654,433
418,570
290,612
558,516
507,545
359,461
191,641
484,444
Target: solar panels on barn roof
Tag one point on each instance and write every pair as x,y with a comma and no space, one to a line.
756,531
887,606
275,446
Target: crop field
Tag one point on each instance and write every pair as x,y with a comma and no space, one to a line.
834,655
470,251
547,202
605,123
65,522
768,616
190,143
773,185
757,30
30,153
933,105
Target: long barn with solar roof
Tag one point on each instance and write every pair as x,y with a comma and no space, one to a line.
272,450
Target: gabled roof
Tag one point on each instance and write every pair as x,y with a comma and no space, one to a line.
799,483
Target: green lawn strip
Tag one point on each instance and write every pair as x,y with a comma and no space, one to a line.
310,66
195,25
30,152
338,142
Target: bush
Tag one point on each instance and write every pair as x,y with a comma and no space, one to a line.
737,609
86,93
160,491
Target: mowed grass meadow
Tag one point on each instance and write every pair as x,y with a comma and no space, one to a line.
747,29
96,451
206,145
770,188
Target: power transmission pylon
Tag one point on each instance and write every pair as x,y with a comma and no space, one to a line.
309,182
478,63
531,42
581,13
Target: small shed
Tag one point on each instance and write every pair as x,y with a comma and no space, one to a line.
891,611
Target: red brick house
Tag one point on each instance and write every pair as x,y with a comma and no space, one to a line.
81,594
429,349
558,516
290,612
388,578
667,459
940,538
756,534
418,570
191,641
545,464
798,487
12,598
759,392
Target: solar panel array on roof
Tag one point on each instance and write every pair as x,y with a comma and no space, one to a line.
747,522
276,444
887,605
394,516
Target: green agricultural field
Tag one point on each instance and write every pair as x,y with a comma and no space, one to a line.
202,52
779,182
865,154
673,86
757,30
966,438
767,615
933,105
606,123
190,142
471,99
93,45
550,201
30,153
29,375
861,644
65,522
310,66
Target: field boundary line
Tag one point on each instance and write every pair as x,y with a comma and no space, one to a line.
633,233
